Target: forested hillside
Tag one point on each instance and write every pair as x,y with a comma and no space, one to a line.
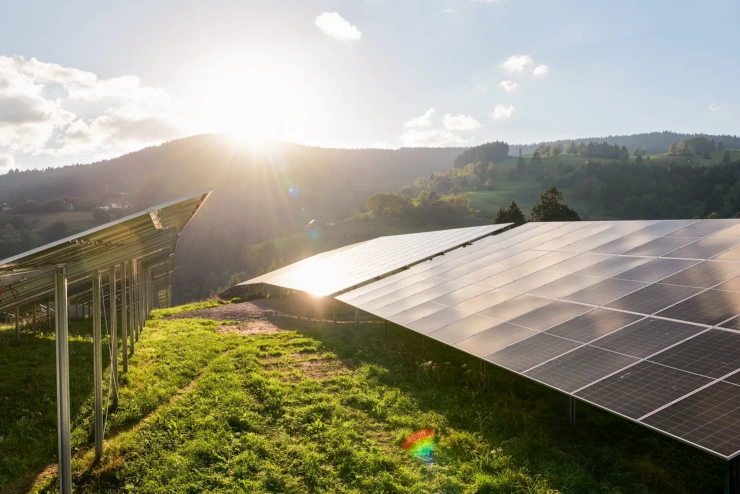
259,194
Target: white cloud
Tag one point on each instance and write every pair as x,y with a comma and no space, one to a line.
424,120
432,138
50,110
508,86
516,64
460,122
450,11
335,26
541,71
712,106
502,112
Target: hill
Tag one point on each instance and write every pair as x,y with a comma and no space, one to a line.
260,194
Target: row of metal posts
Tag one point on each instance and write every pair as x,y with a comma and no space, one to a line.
137,300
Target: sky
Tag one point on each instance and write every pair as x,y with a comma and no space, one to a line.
87,80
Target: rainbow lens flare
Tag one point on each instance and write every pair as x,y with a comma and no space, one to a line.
420,445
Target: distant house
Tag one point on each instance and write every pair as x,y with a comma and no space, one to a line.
119,205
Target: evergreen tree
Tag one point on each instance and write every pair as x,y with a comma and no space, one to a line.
512,214
552,208
726,158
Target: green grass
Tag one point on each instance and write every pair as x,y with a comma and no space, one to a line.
322,409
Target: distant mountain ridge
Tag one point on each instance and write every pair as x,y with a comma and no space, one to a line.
655,142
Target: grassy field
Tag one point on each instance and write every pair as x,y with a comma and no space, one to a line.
210,407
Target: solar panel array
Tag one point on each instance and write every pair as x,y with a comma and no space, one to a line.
337,270
637,317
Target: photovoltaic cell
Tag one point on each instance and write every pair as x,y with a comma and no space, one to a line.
592,325
622,244
656,270
710,307
705,248
549,315
628,227
660,246
709,418
661,228
440,290
515,307
732,232
587,244
579,368
733,285
437,320
642,388
486,300
494,339
714,353
563,229
417,312
578,263
393,297
566,286
732,324
549,259
705,275
532,281
730,255
653,298
395,308
606,291
461,295
575,236
613,266
702,228
531,352
647,337
501,279
464,328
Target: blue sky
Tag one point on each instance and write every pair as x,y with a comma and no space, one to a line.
84,80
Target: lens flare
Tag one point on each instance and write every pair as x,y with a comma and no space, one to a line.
293,191
420,445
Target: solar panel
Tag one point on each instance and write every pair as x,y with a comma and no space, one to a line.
705,275
344,268
713,353
621,314
647,337
593,324
464,328
494,339
621,245
642,388
655,270
515,307
530,352
579,368
710,307
660,246
709,418
653,298
705,248
605,291
703,228
549,315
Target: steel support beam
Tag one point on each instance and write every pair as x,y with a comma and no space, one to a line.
17,323
732,479
571,410
113,330
124,316
357,318
48,315
35,308
62,356
97,310
132,308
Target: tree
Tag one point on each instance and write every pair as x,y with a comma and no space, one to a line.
54,232
571,148
387,204
726,158
454,190
673,148
552,208
638,160
556,150
521,166
512,214
720,146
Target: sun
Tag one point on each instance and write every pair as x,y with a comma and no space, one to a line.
254,105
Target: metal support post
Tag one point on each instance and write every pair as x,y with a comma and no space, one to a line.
113,330
35,308
97,362
124,316
62,355
334,310
142,298
425,346
17,323
385,327
357,318
48,315
571,410
132,307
